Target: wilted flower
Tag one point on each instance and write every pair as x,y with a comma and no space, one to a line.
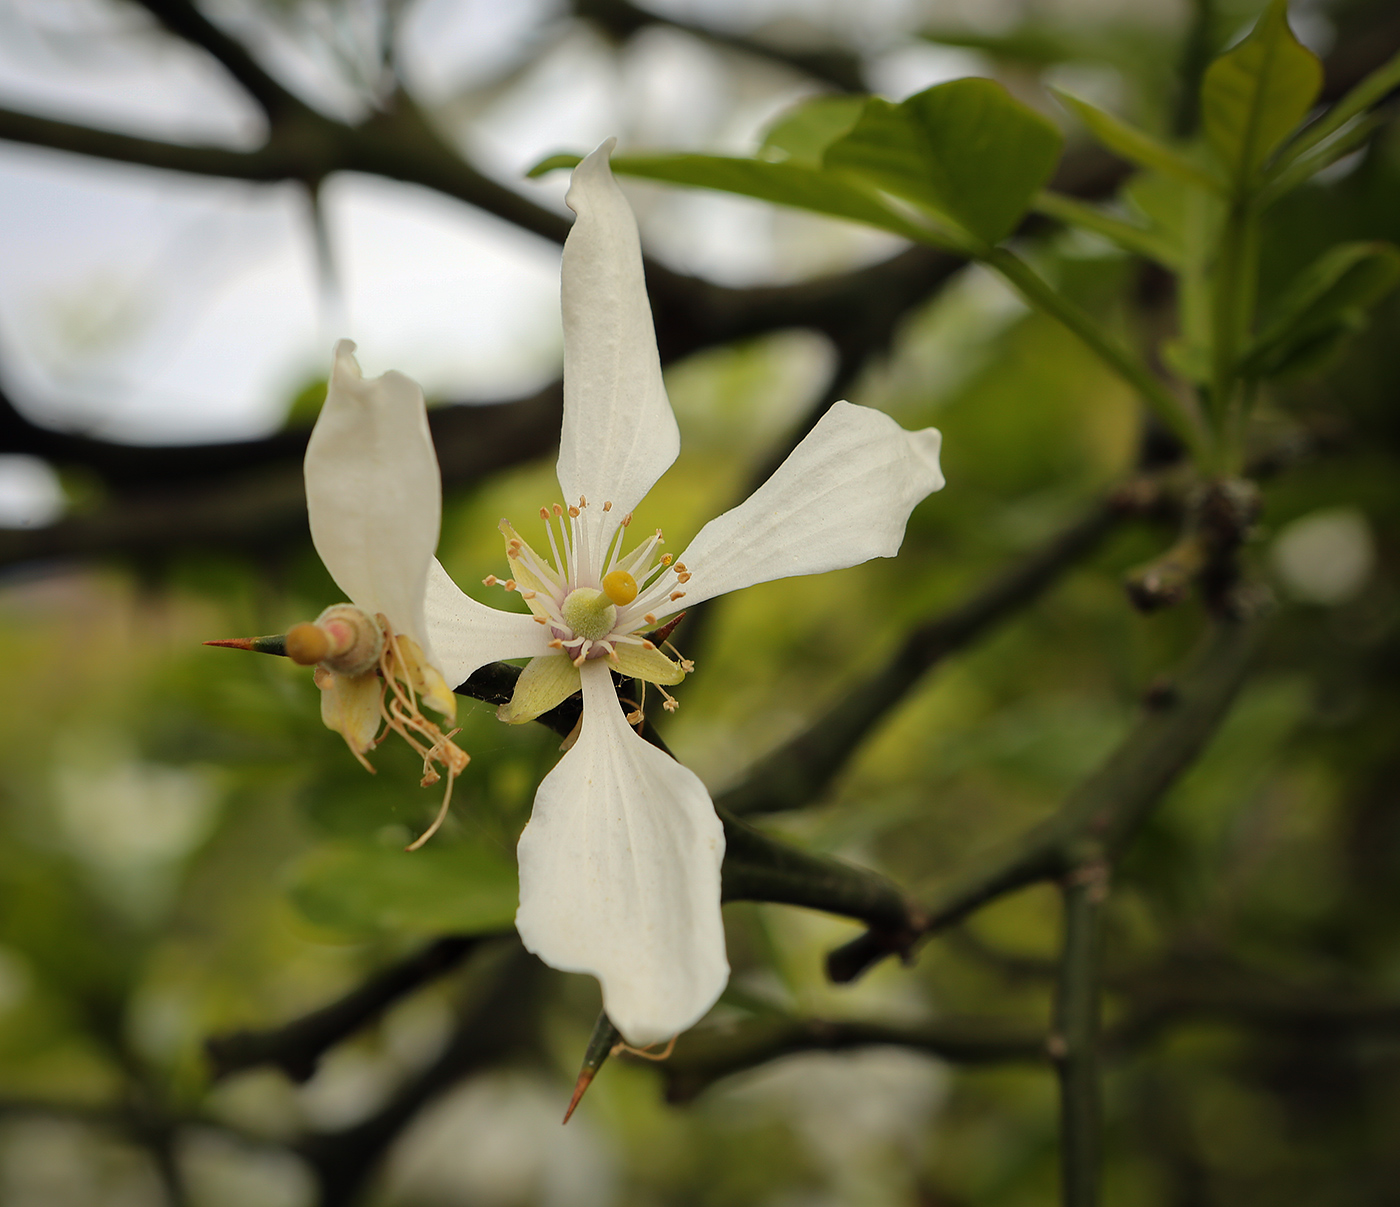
374,500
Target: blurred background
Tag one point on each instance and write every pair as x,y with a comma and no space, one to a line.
187,852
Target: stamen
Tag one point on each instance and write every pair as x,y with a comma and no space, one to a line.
573,513
398,705
665,557
582,502
650,618
528,594
675,595
607,506
553,548
627,519
556,644
540,619
510,584
490,580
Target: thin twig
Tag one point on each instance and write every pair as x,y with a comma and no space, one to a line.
1104,813
797,773
1074,1044
704,1056
297,1047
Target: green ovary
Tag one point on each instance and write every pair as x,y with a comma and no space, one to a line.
590,613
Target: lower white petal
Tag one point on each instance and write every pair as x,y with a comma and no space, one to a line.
842,497
466,634
620,874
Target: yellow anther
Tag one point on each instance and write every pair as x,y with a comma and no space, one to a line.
620,587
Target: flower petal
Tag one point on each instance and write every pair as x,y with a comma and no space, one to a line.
619,874
546,681
467,634
619,433
842,497
374,492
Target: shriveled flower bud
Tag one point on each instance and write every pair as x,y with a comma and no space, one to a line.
342,639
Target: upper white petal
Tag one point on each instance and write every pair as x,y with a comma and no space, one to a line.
620,874
467,634
619,433
842,497
374,492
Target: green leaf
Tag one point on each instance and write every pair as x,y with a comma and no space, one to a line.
1134,145
1326,302
802,134
781,183
1254,96
1374,88
1139,240
457,888
965,150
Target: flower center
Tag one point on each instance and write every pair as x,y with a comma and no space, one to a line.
589,613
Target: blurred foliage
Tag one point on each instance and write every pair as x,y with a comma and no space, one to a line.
188,851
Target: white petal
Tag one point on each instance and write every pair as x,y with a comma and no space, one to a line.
467,634
619,432
619,874
842,497
374,492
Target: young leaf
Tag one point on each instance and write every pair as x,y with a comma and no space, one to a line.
551,163
1139,240
1373,89
787,183
1134,145
1254,96
781,183
1328,300
965,149
802,134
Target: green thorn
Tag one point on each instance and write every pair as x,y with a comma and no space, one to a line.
601,1044
259,645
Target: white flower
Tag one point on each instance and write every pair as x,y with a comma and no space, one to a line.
620,863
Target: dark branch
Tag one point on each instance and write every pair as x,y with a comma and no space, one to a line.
621,20
797,773
706,1055
1100,819
497,1025
297,1047
1074,1045
182,19
258,508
